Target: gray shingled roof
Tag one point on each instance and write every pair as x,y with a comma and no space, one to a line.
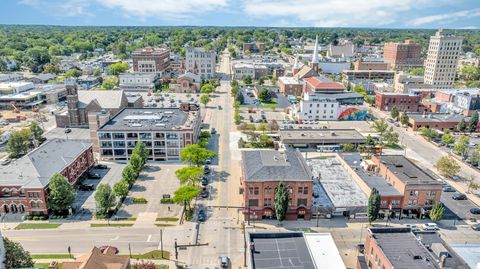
35,169
106,99
272,165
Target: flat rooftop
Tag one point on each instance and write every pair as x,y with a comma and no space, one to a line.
321,136
342,190
406,171
294,250
151,119
435,117
373,180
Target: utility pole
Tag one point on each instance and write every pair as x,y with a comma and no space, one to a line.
244,246
161,242
176,250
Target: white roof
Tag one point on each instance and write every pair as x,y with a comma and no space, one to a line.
289,80
323,251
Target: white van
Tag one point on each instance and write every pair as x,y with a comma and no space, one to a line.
430,226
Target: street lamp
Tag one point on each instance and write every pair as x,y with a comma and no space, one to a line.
388,216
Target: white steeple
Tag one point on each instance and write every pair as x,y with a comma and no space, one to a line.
315,52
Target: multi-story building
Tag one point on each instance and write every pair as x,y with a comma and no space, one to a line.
385,101
290,86
345,49
398,247
403,82
201,60
262,172
253,47
320,85
360,65
323,106
442,57
151,60
351,75
164,131
438,121
24,182
255,71
138,81
419,189
403,55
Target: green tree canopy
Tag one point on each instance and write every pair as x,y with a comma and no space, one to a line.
391,137
104,199
120,189
447,166
247,80
205,99
18,142
373,205
473,122
15,255
118,68
190,175
61,194
136,162
394,112
281,201
437,212
36,131
195,155
428,132
462,145
404,118
448,138
462,126
129,174
380,126
186,194
207,88
264,95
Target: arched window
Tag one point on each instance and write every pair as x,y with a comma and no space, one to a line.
39,204
6,191
33,204
14,191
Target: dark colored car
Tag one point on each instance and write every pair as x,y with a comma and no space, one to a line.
204,193
448,189
206,169
201,216
111,248
213,131
361,248
68,130
459,196
100,166
204,181
476,226
86,187
208,161
475,210
91,175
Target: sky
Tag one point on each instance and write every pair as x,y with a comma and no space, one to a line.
450,14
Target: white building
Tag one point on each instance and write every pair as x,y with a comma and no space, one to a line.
138,81
442,57
317,107
201,61
255,71
15,87
343,50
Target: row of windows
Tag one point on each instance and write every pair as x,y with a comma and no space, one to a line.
138,135
156,152
131,144
268,190
267,202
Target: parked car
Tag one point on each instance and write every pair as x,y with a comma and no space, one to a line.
250,118
213,131
86,187
6,161
224,261
67,130
219,107
103,248
448,189
413,227
204,193
208,161
459,196
361,248
100,166
201,216
475,210
390,120
204,181
430,226
476,227
206,169
91,175
456,178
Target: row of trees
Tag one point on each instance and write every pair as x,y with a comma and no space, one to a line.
387,135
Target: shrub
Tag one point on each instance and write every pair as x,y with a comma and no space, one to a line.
139,200
166,201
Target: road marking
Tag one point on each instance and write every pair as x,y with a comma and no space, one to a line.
149,237
115,238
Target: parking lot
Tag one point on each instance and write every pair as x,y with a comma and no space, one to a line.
154,182
167,99
85,201
457,209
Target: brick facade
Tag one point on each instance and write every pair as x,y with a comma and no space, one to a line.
403,102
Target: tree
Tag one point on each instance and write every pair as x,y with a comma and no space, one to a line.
118,68
61,194
205,99
136,162
447,138
404,119
462,126
15,255
264,95
370,99
104,199
437,212
418,71
36,131
462,146
348,148
233,83
370,141
281,201
262,127
391,137
380,126
141,151
247,80
261,81
428,132
207,89
394,112
129,175
273,125
18,142
120,189
475,157
74,72
373,205
190,175
473,122
447,166
195,155
145,265
186,194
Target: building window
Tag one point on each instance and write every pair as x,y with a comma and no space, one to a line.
104,135
268,190
395,202
146,135
159,135
172,135
412,202
267,202
132,135
302,202
383,202
159,143
413,193
302,190
431,193
253,202
118,135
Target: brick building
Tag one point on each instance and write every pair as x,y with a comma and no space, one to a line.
385,101
351,75
319,85
253,47
262,172
400,248
403,55
359,65
24,183
439,121
151,60
290,86
419,189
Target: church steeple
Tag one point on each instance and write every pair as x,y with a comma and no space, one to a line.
314,63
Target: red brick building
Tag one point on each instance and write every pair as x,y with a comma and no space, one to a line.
151,60
315,84
359,65
253,47
290,86
262,172
403,55
385,101
24,183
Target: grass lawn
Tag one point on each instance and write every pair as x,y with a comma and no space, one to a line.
153,255
393,146
168,219
271,104
157,266
41,265
51,256
95,225
163,225
24,226
126,219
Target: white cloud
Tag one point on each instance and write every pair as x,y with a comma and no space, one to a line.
166,9
329,13
446,17
59,8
